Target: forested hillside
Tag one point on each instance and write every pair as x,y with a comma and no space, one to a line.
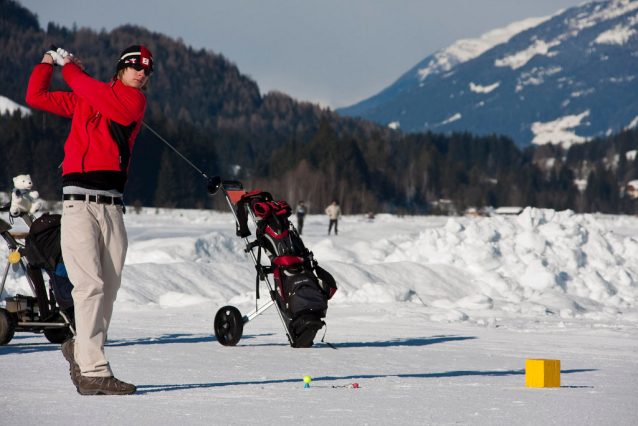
217,117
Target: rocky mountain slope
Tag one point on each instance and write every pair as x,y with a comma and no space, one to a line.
563,79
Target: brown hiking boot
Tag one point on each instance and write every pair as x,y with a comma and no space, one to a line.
74,368
104,386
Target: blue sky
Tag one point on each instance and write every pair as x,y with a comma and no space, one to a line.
335,52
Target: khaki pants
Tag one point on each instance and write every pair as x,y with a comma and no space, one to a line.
94,247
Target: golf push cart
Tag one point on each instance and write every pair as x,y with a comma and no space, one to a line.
301,288
48,311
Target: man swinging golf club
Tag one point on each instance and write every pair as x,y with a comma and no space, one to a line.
106,118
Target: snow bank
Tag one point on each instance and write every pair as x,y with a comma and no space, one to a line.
561,259
539,263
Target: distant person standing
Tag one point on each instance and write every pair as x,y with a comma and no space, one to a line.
301,213
334,213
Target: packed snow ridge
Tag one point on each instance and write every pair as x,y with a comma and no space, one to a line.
538,263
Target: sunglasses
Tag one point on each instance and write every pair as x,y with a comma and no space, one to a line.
140,67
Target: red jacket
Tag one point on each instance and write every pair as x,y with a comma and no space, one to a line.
106,118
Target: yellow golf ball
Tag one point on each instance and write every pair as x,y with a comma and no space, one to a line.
306,379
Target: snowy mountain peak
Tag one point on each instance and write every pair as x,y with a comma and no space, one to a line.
562,79
466,49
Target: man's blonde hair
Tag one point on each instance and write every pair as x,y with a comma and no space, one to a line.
120,73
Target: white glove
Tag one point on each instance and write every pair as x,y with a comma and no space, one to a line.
58,56
62,54
57,60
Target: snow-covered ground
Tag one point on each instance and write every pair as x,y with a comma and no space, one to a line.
434,320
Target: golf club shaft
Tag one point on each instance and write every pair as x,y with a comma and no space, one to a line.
176,151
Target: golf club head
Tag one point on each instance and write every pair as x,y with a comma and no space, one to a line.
214,184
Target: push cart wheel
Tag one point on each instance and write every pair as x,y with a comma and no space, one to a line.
57,335
229,325
7,327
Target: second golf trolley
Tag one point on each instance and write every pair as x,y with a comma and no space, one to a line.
48,311
300,289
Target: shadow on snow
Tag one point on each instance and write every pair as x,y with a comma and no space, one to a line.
422,341
26,347
189,338
143,389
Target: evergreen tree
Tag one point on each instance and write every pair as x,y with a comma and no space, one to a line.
168,186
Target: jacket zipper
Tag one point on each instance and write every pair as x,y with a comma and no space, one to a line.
88,145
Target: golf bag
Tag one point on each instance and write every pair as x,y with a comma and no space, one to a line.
302,287
44,252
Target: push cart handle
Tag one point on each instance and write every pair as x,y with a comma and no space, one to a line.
233,183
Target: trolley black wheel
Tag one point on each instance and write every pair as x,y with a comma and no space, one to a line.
57,335
229,325
7,327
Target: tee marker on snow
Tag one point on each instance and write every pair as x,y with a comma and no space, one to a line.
542,373
308,379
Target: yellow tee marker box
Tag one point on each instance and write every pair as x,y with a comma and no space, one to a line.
542,373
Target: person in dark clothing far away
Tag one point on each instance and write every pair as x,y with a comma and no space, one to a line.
334,214
301,213
106,118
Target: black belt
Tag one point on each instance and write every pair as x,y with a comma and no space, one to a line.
100,199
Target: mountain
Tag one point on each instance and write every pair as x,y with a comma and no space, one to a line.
442,61
562,79
217,117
